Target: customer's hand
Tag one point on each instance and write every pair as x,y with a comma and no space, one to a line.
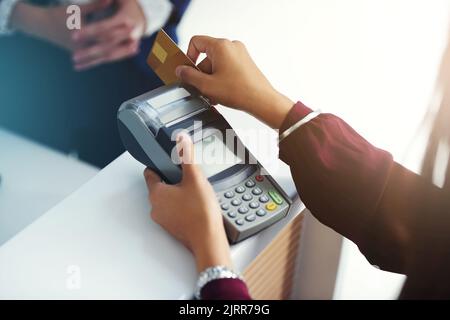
50,23
230,77
189,211
111,39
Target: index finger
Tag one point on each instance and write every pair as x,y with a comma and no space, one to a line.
200,44
94,29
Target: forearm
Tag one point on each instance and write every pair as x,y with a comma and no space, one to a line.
342,178
272,109
27,18
213,250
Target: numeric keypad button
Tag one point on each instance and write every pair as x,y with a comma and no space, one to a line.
253,205
261,212
236,202
232,214
257,191
250,217
243,210
250,183
228,194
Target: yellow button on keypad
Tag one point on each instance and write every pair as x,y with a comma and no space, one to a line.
271,206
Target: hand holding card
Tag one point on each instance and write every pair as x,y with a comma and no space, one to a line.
230,77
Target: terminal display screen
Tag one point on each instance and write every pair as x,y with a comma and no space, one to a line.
214,156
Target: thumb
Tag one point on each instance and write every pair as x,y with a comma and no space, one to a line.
151,178
193,77
185,149
94,6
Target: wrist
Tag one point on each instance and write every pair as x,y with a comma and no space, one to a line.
212,249
273,109
214,273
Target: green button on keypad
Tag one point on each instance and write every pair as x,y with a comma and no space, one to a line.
275,197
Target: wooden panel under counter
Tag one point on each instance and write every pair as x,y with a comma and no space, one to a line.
271,275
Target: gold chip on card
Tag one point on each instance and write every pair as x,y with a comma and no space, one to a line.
165,57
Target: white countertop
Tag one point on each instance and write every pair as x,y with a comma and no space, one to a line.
102,238
34,179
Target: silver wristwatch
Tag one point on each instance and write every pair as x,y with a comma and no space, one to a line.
6,8
214,273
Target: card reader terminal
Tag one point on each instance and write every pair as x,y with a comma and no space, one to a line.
250,200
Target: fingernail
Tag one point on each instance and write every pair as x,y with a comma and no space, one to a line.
178,71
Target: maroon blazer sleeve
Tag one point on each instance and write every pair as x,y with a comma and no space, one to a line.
397,218
400,221
225,289
338,174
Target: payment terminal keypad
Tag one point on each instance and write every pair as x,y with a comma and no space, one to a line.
251,205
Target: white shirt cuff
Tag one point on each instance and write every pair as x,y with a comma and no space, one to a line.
6,8
156,12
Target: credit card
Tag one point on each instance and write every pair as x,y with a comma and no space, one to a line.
165,57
